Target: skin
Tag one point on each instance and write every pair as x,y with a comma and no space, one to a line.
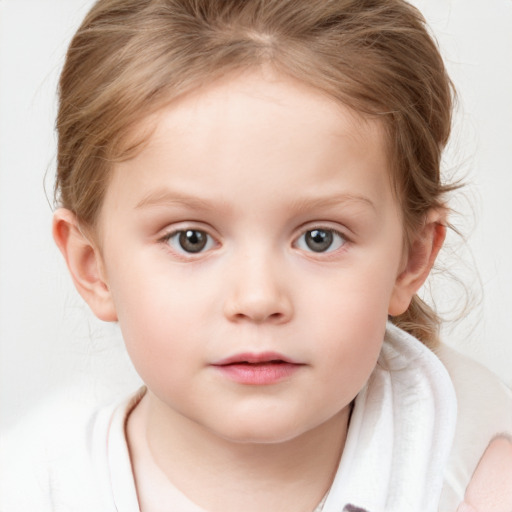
255,162
490,489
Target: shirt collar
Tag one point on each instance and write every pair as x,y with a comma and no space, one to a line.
400,433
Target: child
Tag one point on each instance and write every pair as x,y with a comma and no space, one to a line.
252,190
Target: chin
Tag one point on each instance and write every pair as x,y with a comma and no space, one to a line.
261,431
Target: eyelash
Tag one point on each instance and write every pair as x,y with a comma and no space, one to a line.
333,234
177,238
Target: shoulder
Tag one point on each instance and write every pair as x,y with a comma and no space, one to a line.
52,459
484,410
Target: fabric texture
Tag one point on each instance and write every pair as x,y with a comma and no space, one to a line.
399,441
400,433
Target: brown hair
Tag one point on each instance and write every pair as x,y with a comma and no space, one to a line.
131,57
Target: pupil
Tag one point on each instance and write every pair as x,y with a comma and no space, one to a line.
192,240
318,240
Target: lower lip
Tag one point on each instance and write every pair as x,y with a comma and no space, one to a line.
260,374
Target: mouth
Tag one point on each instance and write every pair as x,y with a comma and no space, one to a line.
257,369
250,358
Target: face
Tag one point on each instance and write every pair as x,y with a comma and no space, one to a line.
251,251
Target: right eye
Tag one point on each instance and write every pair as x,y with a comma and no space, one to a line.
190,241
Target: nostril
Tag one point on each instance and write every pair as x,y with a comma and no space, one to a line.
258,316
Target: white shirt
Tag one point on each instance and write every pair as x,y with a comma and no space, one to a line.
399,440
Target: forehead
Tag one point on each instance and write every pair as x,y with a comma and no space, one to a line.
250,95
253,128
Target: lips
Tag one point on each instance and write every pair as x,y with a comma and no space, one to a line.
252,358
257,369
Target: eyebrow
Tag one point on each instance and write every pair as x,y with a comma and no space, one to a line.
166,197
332,201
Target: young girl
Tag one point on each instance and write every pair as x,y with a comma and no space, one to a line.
252,190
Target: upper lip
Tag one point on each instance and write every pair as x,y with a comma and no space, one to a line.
254,358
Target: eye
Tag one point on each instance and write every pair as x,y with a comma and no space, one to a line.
190,241
321,240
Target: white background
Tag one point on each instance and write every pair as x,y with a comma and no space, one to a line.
49,341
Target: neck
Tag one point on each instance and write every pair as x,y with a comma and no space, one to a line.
219,475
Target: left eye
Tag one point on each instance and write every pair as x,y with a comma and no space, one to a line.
321,240
190,241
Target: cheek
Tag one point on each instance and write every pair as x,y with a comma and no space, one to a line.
154,318
349,316
352,301
162,347
354,346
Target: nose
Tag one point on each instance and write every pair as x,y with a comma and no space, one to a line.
258,292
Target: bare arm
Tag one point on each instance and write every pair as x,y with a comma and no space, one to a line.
490,489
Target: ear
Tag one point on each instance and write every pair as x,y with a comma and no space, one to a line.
85,264
419,261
